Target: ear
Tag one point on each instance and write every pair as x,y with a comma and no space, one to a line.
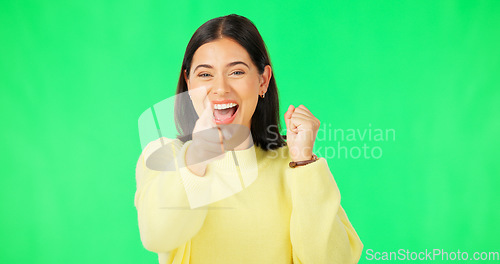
265,77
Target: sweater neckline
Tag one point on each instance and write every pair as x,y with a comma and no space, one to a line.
248,159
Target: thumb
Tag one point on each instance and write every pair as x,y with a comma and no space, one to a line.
207,113
288,116
205,120
289,112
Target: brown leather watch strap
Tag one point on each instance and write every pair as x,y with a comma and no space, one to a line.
294,164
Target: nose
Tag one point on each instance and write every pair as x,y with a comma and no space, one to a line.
220,86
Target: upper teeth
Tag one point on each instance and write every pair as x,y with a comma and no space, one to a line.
224,106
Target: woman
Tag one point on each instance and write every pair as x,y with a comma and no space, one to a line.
239,193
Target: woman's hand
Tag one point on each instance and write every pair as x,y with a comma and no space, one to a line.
302,128
207,143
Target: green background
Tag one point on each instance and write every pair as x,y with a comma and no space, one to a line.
76,75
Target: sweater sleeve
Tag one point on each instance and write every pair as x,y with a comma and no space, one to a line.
166,218
320,231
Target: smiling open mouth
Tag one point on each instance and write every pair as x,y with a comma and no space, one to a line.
225,113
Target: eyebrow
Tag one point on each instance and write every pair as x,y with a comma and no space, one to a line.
228,65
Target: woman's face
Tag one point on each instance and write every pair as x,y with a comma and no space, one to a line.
224,78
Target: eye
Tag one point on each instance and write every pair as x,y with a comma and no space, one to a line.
238,73
204,75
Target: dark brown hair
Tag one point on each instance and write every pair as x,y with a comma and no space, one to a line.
265,125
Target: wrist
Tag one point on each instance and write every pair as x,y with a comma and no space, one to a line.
198,169
302,158
193,163
305,155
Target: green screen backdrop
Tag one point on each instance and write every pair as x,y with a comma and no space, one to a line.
407,92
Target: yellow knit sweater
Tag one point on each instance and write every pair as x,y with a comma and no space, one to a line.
250,207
